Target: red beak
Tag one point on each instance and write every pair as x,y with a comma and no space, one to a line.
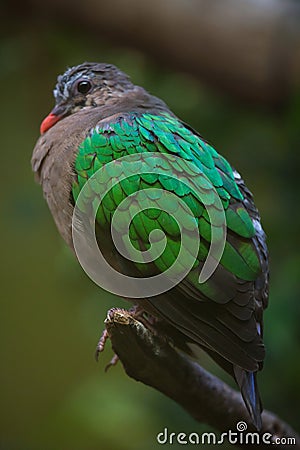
56,114
48,122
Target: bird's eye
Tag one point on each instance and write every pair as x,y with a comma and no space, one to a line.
84,86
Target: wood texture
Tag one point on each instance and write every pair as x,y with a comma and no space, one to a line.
151,360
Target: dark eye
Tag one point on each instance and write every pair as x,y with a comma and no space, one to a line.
84,86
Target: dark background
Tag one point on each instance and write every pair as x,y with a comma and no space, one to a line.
238,85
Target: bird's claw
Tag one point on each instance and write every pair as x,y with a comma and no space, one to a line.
101,344
114,360
100,347
138,313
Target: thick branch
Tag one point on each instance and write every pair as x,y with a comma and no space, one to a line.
151,360
251,49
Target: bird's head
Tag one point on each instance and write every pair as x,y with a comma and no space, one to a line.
86,86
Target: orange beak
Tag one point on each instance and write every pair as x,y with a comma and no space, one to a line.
57,113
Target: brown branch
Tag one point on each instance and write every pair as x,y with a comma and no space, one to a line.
151,360
251,49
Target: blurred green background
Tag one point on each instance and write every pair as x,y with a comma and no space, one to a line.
53,394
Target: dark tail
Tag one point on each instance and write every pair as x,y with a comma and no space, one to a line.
249,389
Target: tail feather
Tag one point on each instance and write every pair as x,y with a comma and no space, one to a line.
249,389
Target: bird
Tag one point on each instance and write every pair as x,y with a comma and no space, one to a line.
100,117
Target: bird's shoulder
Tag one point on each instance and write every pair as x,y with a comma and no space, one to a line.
137,131
191,164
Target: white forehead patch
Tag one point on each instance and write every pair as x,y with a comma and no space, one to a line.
62,90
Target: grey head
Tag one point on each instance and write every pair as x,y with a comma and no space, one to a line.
87,85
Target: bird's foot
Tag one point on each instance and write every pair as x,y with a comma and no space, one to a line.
114,360
101,344
103,339
100,348
137,313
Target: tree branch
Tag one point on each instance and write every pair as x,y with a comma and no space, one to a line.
150,359
251,49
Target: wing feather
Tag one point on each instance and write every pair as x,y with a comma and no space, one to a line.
221,314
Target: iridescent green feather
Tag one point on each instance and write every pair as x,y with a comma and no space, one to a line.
166,134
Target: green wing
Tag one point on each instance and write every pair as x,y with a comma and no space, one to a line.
220,314
129,135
